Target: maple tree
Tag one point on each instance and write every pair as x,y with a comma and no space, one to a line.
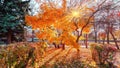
63,24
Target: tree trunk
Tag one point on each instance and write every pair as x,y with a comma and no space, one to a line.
63,46
79,35
25,35
114,40
33,35
58,46
103,41
95,37
55,45
108,31
108,38
9,36
86,40
95,33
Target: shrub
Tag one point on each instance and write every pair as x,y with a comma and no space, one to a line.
103,55
16,56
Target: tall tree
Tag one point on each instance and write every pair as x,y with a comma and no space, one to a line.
61,24
65,23
108,16
12,17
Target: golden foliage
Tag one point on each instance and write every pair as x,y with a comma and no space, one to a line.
58,24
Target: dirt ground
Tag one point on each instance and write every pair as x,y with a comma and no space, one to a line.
52,55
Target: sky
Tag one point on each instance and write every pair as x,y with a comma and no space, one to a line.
35,4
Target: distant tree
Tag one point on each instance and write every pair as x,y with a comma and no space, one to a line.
107,17
12,17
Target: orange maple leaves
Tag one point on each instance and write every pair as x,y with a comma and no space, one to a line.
57,24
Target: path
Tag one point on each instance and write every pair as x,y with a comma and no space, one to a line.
52,55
